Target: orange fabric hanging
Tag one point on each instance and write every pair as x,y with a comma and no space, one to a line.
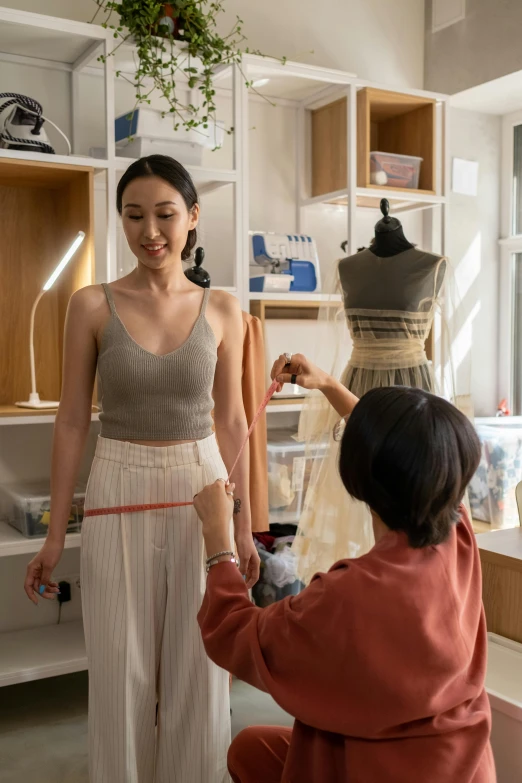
253,387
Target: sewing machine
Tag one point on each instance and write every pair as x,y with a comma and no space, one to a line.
290,263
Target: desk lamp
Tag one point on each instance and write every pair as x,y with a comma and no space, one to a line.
34,400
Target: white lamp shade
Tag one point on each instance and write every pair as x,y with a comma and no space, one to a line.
65,260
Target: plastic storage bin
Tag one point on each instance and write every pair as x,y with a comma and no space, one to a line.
492,489
27,508
504,687
394,171
289,471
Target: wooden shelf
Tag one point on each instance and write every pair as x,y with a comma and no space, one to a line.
56,201
288,308
45,651
287,405
296,299
71,161
391,122
402,200
501,560
11,414
396,123
12,542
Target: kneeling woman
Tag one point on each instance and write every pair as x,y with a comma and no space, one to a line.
382,660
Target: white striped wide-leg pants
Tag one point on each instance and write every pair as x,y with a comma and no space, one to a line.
143,580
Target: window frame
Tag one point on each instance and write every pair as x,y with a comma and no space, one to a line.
510,245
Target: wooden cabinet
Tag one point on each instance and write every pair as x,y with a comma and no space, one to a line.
501,558
386,122
43,206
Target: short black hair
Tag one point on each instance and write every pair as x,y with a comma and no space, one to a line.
409,455
174,174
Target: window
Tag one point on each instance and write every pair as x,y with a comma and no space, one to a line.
510,342
517,333
516,214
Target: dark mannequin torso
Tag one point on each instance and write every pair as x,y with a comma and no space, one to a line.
400,282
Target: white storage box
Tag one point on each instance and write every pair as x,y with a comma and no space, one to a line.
289,471
145,132
492,489
394,171
27,507
504,687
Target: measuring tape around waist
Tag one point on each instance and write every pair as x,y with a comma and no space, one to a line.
100,512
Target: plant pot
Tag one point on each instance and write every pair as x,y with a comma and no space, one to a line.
169,19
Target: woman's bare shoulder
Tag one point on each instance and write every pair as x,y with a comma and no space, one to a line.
89,303
224,303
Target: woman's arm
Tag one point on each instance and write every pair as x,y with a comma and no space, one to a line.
311,377
302,650
70,433
231,427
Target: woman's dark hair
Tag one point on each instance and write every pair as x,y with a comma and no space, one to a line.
409,456
172,172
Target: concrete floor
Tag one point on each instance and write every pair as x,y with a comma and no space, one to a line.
43,727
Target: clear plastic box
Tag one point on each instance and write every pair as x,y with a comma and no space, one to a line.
492,488
289,469
27,508
394,171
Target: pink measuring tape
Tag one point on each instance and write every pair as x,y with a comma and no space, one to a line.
95,512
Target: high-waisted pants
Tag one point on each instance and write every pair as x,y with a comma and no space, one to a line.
143,580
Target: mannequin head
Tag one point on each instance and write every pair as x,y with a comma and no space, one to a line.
416,454
158,203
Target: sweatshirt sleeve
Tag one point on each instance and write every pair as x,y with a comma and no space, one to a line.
287,649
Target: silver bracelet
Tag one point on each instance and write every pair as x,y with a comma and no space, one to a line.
220,554
215,562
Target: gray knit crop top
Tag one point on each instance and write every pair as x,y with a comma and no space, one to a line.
149,397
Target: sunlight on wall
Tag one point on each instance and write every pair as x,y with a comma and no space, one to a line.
468,268
462,342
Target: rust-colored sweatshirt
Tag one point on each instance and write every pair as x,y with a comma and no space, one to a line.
381,661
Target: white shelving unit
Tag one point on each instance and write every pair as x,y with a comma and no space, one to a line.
36,43
12,542
46,651
305,89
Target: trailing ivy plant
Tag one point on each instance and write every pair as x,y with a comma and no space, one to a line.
171,39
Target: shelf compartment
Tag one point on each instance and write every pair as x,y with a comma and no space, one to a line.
12,542
41,652
55,202
294,298
288,308
41,37
386,121
289,405
369,198
396,123
98,164
206,180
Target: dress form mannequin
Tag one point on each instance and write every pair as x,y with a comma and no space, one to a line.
390,292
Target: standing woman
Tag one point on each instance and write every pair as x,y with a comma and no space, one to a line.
168,354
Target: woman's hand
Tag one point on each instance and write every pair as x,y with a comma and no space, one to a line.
40,569
249,561
214,506
308,376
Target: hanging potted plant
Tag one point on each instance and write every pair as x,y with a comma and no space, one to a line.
177,46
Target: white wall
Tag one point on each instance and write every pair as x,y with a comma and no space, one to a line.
376,39
481,47
473,249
